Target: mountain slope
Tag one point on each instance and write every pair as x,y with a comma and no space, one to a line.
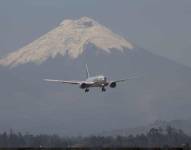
162,91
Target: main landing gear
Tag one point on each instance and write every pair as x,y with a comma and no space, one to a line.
103,89
87,90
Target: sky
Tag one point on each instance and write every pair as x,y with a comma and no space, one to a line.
162,27
159,26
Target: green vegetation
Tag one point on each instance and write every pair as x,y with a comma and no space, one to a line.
156,137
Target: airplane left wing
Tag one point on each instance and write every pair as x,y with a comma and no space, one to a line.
64,81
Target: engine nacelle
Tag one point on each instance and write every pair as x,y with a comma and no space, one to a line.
113,84
83,85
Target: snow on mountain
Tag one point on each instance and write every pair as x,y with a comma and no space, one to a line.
71,38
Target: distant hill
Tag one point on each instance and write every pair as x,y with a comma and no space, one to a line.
184,125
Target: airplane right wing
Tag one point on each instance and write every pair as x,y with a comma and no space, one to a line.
64,81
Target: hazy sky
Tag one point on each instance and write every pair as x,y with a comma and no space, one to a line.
160,26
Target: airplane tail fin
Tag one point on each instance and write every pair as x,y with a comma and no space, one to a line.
87,72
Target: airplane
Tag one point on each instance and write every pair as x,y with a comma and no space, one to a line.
100,81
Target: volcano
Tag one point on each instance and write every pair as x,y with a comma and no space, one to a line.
160,91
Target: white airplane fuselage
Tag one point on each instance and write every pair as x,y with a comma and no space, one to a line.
95,81
98,81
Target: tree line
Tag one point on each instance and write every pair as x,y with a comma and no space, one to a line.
155,137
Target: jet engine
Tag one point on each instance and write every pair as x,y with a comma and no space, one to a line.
83,86
113,84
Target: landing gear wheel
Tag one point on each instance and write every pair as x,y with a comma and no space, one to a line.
87,90
103,89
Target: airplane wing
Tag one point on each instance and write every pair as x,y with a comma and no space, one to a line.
123,80
64,81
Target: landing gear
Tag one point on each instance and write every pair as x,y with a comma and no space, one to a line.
103,89
87,90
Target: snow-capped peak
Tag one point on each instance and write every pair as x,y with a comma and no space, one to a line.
70,37
82,22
